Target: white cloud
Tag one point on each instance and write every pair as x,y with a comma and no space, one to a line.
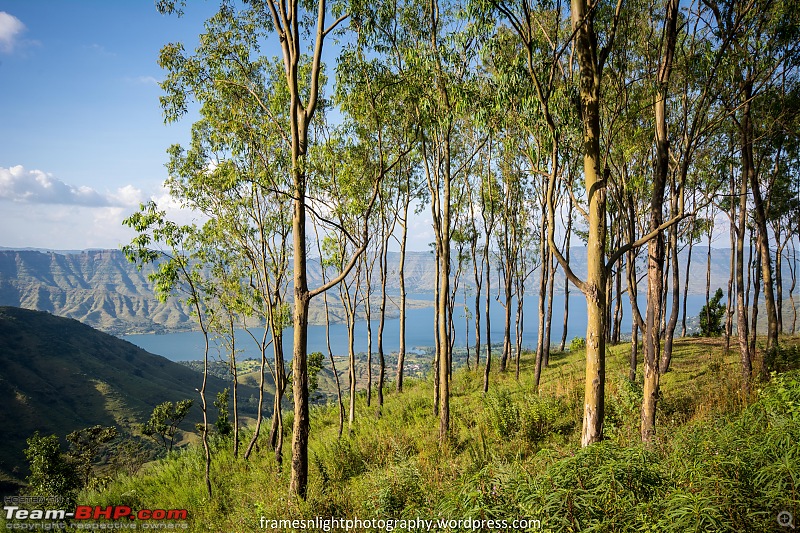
146,80
44,212
37,187
64,227
10,29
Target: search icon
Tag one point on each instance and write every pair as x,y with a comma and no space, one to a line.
785,519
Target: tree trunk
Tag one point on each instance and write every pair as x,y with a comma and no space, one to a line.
401,355
566,279
551,274
300,428
756,293
540,347
368,318
759,211
595,184
488,367
382,319
741,306
686,283
634,351
779,282
615,336
508,283
655,248
666,356
793,274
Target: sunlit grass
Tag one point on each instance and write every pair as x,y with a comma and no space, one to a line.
513,452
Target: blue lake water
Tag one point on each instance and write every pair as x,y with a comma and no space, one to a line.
188,346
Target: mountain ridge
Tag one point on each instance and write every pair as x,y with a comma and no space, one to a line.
101,288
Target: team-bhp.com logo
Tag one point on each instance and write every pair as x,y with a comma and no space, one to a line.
85,516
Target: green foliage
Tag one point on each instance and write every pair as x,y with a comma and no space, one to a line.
513,456
223,422
577,343
163,424
781,358
52,472
603,487
711,316
84,447
340,460
532,417
130,455
623,409
502,414
316,362
399,489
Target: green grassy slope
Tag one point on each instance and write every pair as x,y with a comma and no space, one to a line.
58,375
721,461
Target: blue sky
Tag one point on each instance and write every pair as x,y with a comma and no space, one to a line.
82,138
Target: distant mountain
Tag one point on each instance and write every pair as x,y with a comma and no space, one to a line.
58,375
102,289
98,287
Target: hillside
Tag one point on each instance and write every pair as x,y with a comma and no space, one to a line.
721,461
58,375
97,287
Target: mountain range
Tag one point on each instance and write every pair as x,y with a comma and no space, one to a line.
102,289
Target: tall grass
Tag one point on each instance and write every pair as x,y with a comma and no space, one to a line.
721,462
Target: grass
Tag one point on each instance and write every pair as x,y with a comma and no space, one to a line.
721,461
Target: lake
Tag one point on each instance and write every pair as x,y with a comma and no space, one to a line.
187,346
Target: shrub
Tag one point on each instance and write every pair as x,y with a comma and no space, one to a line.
538,416
502,414
52,473
782,358
340,460
577,343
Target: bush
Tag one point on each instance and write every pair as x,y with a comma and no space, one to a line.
539,415
52,473
577,343
502,414
340,460
782,358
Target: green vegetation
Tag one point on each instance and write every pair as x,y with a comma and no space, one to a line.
711,316
720,461
57,376
163,424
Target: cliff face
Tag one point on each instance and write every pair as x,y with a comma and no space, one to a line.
97,287
102,289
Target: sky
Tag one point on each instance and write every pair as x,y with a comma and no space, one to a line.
82,138
82,135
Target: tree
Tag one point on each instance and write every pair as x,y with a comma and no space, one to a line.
177,270
711,316
223,423
84,447
163,424
52,474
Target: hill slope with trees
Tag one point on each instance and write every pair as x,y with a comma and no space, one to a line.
58,375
